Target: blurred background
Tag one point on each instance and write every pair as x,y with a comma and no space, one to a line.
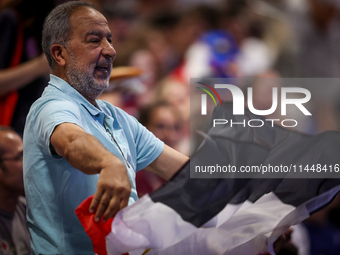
171,41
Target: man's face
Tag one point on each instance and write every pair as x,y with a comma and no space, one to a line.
90,53
11,175
164,125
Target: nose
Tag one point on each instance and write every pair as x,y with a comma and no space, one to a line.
108,50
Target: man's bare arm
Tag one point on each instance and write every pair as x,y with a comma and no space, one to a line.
87,154
168,163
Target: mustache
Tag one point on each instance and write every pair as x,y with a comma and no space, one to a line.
105,62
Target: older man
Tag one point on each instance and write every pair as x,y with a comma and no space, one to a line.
14,236
75,145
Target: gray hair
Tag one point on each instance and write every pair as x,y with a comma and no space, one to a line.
57,27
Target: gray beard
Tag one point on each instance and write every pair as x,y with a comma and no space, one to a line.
83,80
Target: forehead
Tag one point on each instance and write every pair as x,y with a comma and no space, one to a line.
10,142
86,19
163,113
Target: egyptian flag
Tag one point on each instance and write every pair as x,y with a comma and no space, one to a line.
230,215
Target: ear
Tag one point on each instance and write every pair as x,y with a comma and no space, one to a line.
58,53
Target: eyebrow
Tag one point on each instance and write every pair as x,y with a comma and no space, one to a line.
97,32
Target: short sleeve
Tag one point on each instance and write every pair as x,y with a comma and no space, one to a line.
148,146
50,116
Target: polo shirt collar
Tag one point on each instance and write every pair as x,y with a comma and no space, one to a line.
63,86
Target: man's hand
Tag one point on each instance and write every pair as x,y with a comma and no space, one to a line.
284,241
112,194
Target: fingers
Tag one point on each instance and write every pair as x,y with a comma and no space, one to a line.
108,201
96,200
112,209
117,204
112,194
288,233
124,203
279,243
108,206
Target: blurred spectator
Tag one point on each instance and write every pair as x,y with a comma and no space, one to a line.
213,55
162,120
23,68
263,35
183,28
168,42
14,235
125,25
177,94
319,51
148,8
146,61
314,25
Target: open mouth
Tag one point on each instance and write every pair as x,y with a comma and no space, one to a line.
103,70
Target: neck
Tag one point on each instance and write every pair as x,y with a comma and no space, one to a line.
8,200
88,93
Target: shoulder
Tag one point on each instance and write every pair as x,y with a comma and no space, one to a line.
50,104
56,99
49,111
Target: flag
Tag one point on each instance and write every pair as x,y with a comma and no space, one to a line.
231,215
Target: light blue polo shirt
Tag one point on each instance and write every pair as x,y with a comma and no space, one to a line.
54,189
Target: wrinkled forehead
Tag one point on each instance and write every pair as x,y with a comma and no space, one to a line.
86,19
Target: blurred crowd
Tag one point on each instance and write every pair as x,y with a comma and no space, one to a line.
171,41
